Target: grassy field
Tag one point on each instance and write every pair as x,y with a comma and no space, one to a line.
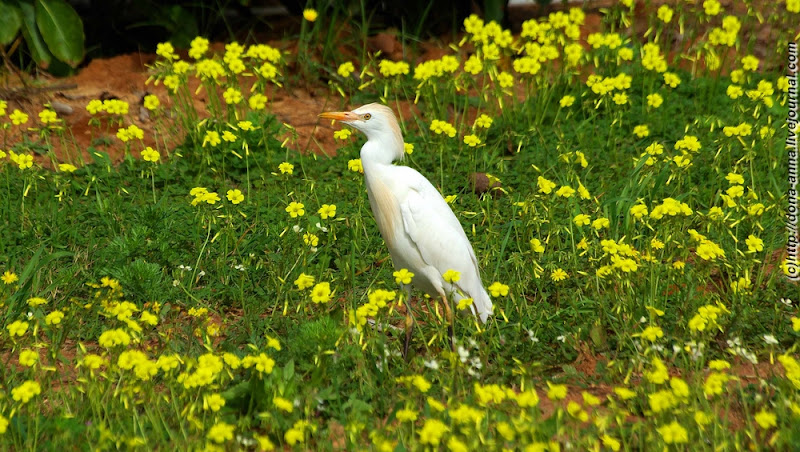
229,292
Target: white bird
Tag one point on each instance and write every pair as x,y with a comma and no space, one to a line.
421,231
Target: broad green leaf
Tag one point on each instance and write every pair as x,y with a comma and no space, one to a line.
10,22
33,38
62,30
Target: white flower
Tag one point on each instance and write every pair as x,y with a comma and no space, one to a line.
432,364
770,339
786,301
463,354
531,336
562,338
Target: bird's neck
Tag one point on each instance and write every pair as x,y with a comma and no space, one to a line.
382,150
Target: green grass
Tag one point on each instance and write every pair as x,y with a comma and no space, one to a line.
544,373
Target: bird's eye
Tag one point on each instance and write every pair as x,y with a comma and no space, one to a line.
366,116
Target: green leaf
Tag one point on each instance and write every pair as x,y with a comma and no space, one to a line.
62,30
10,22
33,38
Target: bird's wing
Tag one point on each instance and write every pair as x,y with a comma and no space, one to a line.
438,235
433,227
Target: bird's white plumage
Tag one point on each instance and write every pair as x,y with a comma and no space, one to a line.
421,231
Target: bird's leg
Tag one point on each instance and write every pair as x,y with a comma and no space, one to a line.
409,324
448,313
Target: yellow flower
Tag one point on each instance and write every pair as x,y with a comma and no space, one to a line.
472,140
327,211
198,47
232,96
558,275
36,301
536,246
432,431
17,328
601,223
406,415
567,101
641,131
624,393
283,404
321,293
766,419
213,402
273,343
390,68
112,338
345,69
451,276
408,148
610,442
295,209
304,281
235,196
26,391
754,244
664,13
403,276
657,373
498,289
505,80
212,138
18,118
257,101
652,333
672,80
581,219
47,116
654,100
220,432
556,392
28,357
750,63
54,318
310,14
473,65
150,155
151,102
286,168
673,433
310,239
565,191
545,186
711,7
443,127
355,166
464,303
166,50
342,134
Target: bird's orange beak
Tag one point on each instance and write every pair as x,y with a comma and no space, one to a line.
339,115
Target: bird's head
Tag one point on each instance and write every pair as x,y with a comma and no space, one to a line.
377,122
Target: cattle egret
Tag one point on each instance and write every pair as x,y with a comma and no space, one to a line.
422,233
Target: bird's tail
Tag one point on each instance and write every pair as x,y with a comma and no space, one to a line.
481,303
